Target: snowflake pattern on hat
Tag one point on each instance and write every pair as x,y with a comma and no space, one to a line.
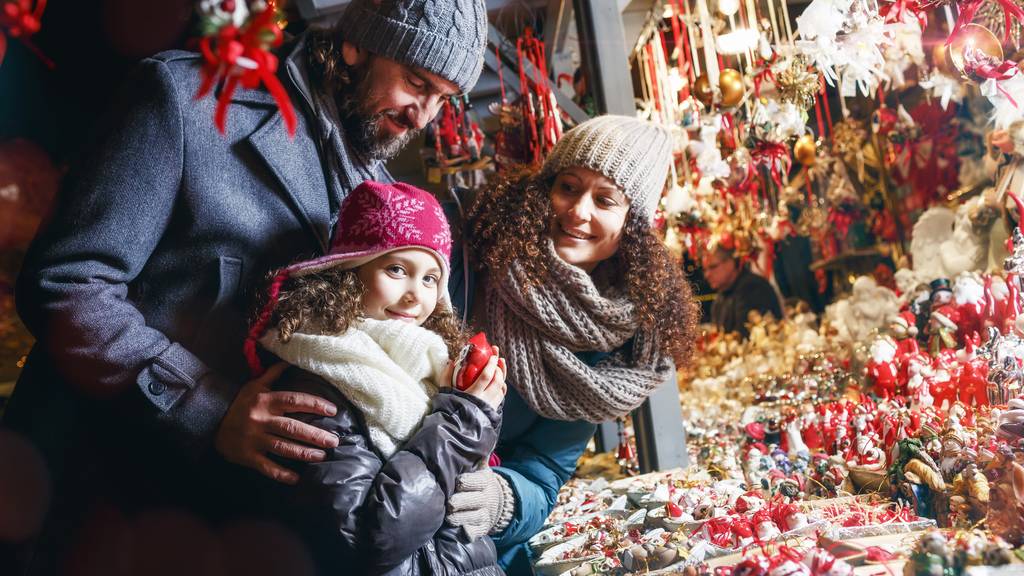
380,218
443,237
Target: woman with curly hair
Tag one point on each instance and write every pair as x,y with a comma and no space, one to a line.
369,328
563,272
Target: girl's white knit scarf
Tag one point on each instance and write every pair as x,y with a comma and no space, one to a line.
387,369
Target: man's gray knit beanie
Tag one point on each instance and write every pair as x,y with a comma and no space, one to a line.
446,37
634,153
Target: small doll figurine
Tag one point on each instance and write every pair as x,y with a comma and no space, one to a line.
941,293
930,557
942,329
919,375
972,387
764,527
969,298
883,370
903,329
943,389
781,461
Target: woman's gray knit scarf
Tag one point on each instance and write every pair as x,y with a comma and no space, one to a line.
539,327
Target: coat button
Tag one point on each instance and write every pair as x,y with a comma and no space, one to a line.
157,388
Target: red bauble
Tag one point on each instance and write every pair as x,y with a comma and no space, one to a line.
472,360
28,184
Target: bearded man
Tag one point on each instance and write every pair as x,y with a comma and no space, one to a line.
137,290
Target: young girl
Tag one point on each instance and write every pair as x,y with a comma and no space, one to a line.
369,328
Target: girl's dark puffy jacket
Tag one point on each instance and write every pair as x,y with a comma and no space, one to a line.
364,515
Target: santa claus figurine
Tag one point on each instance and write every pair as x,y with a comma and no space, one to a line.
883,368
943,325
969,298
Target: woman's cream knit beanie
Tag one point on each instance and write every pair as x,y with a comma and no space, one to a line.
634,153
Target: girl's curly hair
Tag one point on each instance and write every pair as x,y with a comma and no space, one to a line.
510,219
327,302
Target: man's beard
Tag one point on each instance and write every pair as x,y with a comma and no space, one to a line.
364,129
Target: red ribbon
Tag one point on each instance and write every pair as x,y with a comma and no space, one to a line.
222,55
967,10
841,220
774,156
1011,12
896,11
764,73
22,19
980,64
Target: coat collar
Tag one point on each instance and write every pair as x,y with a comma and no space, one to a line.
295,162
318,168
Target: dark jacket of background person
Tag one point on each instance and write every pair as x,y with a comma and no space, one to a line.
362,514
748,292
138,289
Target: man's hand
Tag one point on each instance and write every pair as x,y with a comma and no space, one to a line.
255,426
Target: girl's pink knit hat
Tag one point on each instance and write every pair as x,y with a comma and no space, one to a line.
376,218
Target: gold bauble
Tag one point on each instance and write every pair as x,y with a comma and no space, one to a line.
940,58
805,150
702,90
980,38
730,82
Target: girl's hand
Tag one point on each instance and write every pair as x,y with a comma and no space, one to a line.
490,384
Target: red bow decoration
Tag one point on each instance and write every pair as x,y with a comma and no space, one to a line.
969,8
896,11
977,63
841,220
241,56
21,19
772,155
764,73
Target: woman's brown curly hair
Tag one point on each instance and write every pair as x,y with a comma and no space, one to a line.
510,219
328,302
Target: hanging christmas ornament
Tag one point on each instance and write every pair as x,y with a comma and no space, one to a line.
805,149
236,51
848,138
702,90
730,82
537,103
904,54
797,84
942,62
978,39
22,19
1007,12
844,40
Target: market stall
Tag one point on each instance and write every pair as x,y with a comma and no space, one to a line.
876,427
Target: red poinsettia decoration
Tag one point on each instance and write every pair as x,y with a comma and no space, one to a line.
240,55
